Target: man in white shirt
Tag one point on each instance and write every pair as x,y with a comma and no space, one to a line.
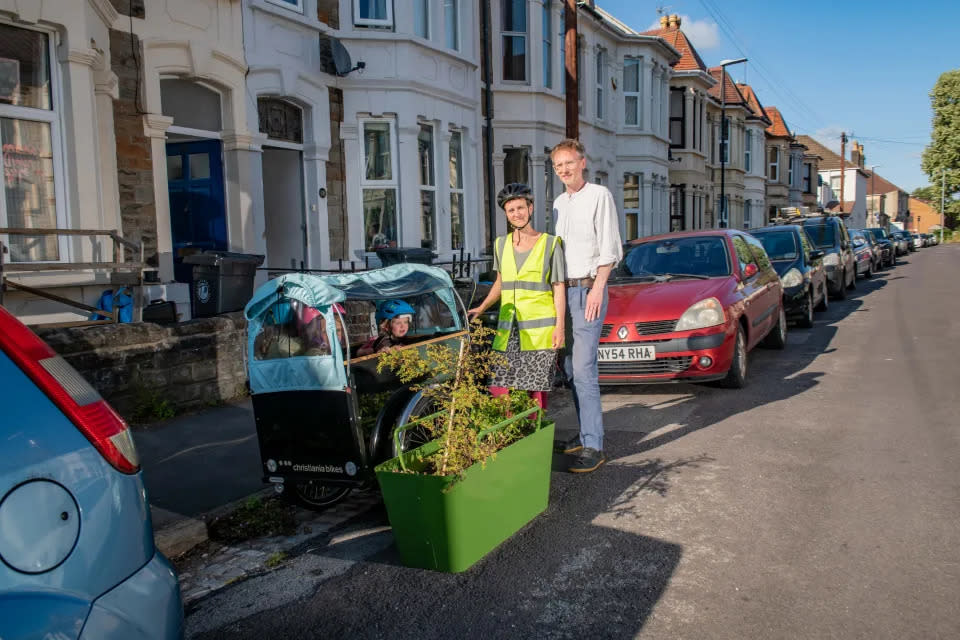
586,220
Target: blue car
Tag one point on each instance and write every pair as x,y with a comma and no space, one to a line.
77,558
800,267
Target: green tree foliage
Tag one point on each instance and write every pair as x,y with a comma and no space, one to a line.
942,155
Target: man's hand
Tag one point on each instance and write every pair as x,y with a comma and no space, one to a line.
559,335
594,301
473,313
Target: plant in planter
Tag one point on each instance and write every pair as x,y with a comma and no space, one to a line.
484,474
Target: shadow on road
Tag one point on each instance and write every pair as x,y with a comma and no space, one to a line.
564,575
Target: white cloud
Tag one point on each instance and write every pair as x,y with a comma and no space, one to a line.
703,33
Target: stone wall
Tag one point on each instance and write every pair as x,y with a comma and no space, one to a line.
138,211
136,367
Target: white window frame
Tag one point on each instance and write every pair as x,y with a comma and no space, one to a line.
638,210
432,188
294,5
54,117
546,51
423,5
637,63
747,205
748,151
526,48
601,72
455,5
773,166
458,191
372,22
392,183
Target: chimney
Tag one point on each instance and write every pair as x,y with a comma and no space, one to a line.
674,21
664,21
855,154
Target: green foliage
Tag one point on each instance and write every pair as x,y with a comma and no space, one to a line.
458,393
275,559
369,406
149,406
942,155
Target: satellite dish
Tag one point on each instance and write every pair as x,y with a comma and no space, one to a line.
335,59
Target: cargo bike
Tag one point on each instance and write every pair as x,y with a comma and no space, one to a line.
324,416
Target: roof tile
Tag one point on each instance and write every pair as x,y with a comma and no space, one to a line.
690,60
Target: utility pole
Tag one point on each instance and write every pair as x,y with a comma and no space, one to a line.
572,79
843,165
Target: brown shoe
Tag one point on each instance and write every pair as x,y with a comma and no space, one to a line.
589,460
570,446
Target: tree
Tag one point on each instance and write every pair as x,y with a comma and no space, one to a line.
942,156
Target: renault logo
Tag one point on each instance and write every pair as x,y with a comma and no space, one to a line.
622,332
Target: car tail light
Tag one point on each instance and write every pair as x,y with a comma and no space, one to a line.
73,395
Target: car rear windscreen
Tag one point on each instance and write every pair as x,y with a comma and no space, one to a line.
700,256
823,235
779,245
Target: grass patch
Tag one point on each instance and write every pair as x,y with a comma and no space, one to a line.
256,518
275,559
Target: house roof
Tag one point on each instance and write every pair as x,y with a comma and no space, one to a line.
829,160
689,60
730,93
877,184
751,97
778,126
846,208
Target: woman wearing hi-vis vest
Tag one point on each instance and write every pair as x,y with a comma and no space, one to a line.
532,292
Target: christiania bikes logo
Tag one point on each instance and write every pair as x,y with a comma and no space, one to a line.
203,291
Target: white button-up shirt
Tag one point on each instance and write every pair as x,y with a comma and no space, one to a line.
588,223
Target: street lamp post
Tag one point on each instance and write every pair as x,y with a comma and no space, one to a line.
724,129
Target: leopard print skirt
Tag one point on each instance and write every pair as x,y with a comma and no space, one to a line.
525,370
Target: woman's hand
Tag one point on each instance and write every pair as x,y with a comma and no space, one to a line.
559,334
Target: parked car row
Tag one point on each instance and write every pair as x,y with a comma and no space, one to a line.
689,306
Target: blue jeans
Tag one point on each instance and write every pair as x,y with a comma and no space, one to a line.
581,365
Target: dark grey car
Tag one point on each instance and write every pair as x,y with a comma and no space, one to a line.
830,235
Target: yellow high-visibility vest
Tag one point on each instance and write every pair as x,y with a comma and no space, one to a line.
526,295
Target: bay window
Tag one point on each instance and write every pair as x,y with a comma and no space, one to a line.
30,157
373,13
513,15
631,205
456,190
428,187
678,116
631,92
379,184
773,168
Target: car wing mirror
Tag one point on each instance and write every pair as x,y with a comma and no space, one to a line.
749,271
816,255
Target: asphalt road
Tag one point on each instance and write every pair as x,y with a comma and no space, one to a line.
821,501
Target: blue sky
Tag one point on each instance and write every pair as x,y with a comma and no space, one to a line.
830,66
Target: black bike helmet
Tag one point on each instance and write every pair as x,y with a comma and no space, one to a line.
513,191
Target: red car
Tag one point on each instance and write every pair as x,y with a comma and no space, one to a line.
687,307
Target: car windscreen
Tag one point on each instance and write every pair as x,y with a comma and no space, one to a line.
779,245
823,235
696,256
879,234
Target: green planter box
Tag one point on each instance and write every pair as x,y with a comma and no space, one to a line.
446,528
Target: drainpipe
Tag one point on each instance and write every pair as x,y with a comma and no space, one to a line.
488,121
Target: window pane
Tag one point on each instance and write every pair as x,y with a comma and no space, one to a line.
376,146
24,68
599,103
514,14
190,104
174,167
632,226
425,150
456,162
631,191
676,104
428,220
451,21
373,9
676,132
547,45
515,166
456,220
199,166
631,109
28,189
421,21
631,76
514,58
380,218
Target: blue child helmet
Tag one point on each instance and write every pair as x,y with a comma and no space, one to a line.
390,309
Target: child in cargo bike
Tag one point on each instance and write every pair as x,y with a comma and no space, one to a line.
394,318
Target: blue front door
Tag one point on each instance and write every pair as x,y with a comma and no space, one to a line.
198,217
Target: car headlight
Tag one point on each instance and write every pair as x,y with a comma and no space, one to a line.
706,313
831,259
792,278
